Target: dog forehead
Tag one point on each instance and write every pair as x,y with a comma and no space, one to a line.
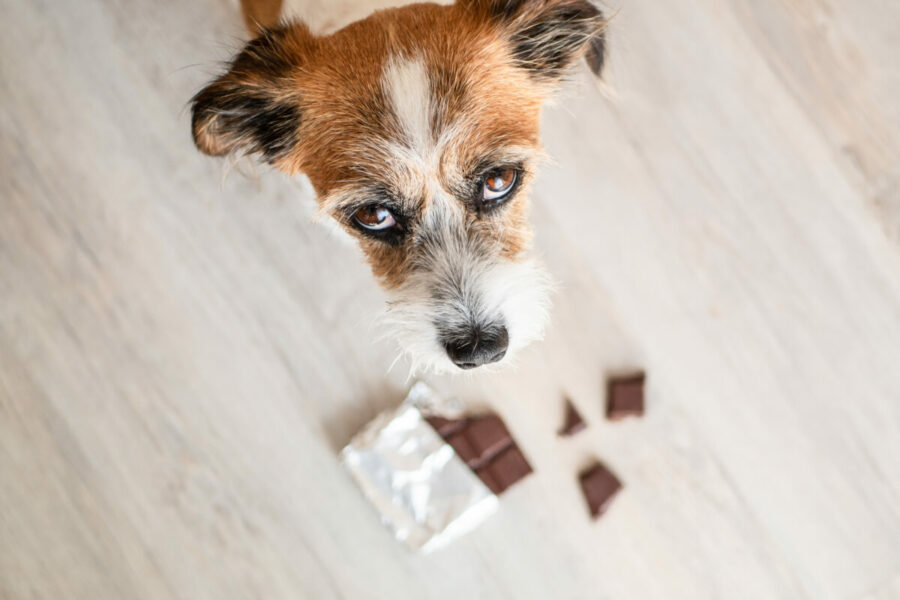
418,144
412,94
406,85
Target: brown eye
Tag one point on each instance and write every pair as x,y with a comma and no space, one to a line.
375,218
498,184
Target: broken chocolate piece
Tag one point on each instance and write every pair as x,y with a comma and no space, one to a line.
599,487
625,397
485,444
573,423
489,436
508,468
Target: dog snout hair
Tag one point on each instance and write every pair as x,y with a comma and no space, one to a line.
464,305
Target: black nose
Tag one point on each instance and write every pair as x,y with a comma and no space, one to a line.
478,346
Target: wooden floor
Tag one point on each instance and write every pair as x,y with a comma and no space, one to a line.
182,355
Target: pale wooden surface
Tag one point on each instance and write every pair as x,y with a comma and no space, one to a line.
181,358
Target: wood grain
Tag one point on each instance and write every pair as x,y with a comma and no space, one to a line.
182,354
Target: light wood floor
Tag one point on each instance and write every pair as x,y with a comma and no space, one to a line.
181,357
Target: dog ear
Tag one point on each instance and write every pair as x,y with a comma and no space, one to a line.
255,106
548,36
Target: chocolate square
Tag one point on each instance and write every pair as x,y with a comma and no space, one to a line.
508,468
488,436
625,397
599,487
573,422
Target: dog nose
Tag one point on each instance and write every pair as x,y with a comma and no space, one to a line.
478,347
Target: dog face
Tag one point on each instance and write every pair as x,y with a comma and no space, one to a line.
418,128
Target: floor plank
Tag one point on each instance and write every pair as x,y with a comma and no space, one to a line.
179,363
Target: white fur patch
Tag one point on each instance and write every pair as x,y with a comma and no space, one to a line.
512,294
406,84
519,291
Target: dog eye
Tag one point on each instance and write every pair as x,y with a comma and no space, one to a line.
497,184
375,217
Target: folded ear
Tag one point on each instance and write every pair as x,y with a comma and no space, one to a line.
548,36
254,107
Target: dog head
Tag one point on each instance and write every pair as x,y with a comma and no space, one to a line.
418,128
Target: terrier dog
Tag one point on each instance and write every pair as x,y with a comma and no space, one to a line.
418,129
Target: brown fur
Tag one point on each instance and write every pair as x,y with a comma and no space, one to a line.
500,105
485,92
260,14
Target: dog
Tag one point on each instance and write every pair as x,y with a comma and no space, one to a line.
418,128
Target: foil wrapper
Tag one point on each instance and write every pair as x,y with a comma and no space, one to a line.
423,491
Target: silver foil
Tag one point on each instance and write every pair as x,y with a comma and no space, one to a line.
424,492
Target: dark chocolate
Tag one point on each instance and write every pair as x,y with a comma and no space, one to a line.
625,397
485,444
573,422
462,443
487,477
489,436
599,487
509,468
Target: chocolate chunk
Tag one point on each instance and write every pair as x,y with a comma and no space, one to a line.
485,444
599,487
625,397
507,469
573,423
446,427
489,436
461,442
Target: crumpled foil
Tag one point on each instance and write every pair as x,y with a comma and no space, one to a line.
424,492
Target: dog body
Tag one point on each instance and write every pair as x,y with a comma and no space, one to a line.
418,128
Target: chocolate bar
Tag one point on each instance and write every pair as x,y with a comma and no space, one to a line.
573,422
599,487
485,444
420,487
625,397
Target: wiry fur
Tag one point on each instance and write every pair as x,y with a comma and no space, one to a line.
458,292
549,35
409,109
